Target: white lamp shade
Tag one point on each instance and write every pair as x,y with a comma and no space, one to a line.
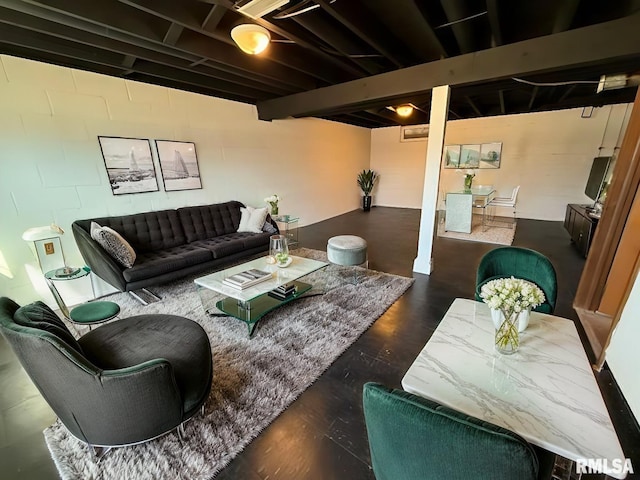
251,38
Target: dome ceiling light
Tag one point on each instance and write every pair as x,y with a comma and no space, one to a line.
404,110
251,38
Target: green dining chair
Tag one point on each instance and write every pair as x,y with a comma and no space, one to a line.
518,262
412,438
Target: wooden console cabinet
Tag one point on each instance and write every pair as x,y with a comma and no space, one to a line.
580,226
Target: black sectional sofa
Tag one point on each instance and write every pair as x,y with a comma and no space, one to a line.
170,244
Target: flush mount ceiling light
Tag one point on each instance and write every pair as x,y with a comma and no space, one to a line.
403,110
251,38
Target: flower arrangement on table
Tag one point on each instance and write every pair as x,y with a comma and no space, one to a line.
511,296
468,178
273,203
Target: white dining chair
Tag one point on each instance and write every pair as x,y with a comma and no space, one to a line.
507,202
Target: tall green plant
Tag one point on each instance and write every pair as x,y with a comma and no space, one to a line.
366,180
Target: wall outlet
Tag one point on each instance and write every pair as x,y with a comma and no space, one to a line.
48,248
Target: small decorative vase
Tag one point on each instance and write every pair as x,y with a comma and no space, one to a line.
523,318
507,338
468,181
279,250
274,209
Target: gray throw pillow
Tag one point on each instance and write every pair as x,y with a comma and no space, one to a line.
114,244
269,228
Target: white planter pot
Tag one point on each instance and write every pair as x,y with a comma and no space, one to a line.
523,319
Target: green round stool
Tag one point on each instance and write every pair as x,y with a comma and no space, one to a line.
94,312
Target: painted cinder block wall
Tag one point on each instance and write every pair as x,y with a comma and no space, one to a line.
52,168
549,154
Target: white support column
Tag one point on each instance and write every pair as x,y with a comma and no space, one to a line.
437,125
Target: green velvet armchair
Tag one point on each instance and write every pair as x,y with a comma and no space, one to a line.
522,263
412,438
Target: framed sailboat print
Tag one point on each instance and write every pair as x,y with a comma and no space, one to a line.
129,165
179,165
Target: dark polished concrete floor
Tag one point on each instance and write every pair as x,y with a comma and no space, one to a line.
322,435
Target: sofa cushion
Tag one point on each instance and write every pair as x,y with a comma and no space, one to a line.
224,245
256,240
153,264
207,221
114,244
252,219
39,315
149,231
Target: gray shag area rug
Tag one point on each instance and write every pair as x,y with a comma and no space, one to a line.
491,234
254,379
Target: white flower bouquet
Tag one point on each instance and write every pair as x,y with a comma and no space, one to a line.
273,203
511,296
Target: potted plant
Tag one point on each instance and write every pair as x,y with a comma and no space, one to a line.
366,180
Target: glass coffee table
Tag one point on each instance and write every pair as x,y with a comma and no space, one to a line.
253,303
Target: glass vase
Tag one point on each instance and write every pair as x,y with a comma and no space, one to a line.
507,338
279,249
468,180
274,209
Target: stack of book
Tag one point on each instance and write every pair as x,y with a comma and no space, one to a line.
246,279
283,291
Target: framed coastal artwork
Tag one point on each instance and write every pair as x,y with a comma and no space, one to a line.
485,155
451,156
129,165
179,165
490,155
469,156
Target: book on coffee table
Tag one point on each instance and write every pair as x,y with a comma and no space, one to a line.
247,278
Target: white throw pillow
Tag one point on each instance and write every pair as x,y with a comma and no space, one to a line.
252,219
114,244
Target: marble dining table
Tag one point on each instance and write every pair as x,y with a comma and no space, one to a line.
546,391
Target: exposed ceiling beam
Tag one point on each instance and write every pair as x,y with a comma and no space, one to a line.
473,106
173,34
564,15
129,50
617,39
213,18
503,110
494,22
110,24
534,93
172,11
359,32
454,10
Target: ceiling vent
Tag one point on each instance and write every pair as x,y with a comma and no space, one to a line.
259,8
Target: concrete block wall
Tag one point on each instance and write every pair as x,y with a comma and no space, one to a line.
549,154
52,170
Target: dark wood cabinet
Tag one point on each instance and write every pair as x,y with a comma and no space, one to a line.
580,226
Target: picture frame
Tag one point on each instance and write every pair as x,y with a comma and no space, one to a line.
178,165
129,165
490,155
469,156
451,156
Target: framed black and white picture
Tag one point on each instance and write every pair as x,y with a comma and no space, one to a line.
129,165
179,165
